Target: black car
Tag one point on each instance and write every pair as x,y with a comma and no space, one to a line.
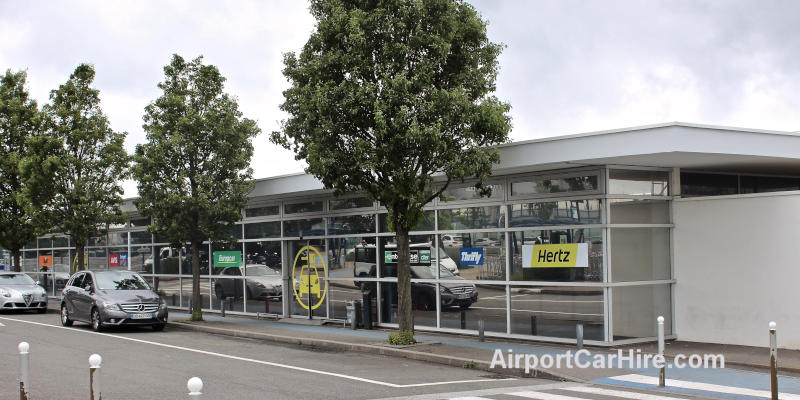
112,298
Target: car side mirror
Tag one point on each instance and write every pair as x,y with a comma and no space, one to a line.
38,283
88,288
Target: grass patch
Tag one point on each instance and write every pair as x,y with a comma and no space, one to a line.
403,338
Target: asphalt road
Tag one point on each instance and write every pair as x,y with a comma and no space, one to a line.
142,364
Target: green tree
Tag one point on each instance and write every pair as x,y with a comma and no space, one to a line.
387,95
74,173
19,122
193,173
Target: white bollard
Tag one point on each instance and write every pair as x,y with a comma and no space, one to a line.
773,359
195,386
94,377
24,363
662,372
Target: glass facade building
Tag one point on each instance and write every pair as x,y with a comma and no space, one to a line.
307,255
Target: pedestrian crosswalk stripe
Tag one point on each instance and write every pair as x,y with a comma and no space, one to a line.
619,393
709,387
544,396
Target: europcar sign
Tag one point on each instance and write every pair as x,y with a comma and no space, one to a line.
572,255
227,259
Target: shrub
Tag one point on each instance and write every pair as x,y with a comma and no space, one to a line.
403,338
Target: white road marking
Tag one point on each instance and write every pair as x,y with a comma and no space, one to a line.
1,324
619,393
272,364
470,398
544,396
651,380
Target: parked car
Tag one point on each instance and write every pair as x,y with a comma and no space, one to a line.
365,259
262,282
451,294
18,291
486,242
112,298
451,241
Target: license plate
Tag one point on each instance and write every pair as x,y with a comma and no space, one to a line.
463,296
141,316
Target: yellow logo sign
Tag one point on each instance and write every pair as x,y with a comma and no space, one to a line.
572,255
307,277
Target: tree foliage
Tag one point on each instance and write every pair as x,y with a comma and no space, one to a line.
74,170
19,122
194,171
386,97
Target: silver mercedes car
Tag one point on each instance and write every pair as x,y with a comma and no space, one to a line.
19,292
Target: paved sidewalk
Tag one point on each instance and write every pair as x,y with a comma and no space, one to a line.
746,367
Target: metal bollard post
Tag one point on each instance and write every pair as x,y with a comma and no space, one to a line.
579,335
195,386
773,359
24,363
481,327
222,307
266,305
95,392
463,319
533,325
662,379
174,299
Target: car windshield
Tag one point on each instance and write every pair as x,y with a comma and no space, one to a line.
16,279
120,281
429,271
260,270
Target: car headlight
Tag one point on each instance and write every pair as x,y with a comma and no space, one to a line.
161,302
5,293
444,290
111,306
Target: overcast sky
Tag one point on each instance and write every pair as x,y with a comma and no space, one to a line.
569,66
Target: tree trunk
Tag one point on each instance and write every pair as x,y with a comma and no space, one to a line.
81,264
197,305
17,264
404,311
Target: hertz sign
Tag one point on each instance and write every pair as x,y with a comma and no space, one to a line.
573,255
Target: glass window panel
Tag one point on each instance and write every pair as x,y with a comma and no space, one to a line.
96,258
45,243
642,183
271,229
141,237
166,260
263,294
341,291
487,303
304,227
296,208
30,261
308,277
695,184
554,311
352,257
417,242
636,309
592,236
626,211
472,218
186,259
544,185
140,222
61,262
639,254
231,289
351,224
423,303
205,292
353,202
117,238
564,212
426,223
471,193
262,211
763,184
118,258
491,265
168,287
139,259
231,270
97,241
61,241
264,253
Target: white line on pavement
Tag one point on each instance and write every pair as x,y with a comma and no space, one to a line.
651,380
619,393
544,396
1,324
470,398
272,364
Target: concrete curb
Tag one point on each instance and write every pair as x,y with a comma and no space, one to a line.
372,349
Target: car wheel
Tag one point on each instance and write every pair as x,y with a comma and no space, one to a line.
97,322
159,327
219,292
65,321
